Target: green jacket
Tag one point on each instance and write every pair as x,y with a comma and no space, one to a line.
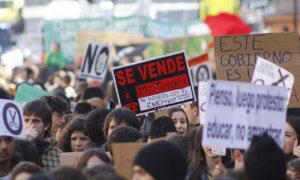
56,60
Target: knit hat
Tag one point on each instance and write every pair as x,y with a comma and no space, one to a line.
163,161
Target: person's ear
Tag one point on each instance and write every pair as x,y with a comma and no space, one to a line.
195,110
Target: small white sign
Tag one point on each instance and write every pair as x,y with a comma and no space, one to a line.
270,74
94,64
11,121
236,111
202,93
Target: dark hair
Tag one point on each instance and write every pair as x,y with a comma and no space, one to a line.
56,104
123,134
161,126
294,122
121,115
40,109
95,122
76,124
295,164
4,94
66,173
83,108
28,167
92,92
28,151
198,162
84,158
103,170
264,159
180,141
178,109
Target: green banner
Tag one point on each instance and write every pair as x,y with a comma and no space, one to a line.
65,31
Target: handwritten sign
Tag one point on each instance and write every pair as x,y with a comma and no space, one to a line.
236,111
154,84
11,121
236,56
268,73
94,64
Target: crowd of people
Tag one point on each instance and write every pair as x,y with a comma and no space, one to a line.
84,116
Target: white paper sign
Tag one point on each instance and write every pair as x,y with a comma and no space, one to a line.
268,73
11,119
202,94
236,111
94,64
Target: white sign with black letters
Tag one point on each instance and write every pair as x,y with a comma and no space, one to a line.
11,121
270,74
94,64
236,111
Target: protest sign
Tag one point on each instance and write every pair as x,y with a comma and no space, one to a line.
236,111
154,84
269,74
200,68
11,121
202,93
94,64
236,55
27,93
124,154
70,158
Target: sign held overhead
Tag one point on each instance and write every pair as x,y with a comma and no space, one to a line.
94,64
154,84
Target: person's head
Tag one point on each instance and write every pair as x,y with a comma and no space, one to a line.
192,113
58,108
55,47
92,92
7,149
74,136
120,117
180,119
293,169
24,170
92,157
264,159
83,108
123,134
37,115
161,126
66,173
292,133
180,141
102,172
27,150
95,122
158,161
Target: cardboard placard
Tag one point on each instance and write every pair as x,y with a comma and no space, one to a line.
154,84
70,158
124,154
269,74
236,111
236,55
11,120
27,93
94,64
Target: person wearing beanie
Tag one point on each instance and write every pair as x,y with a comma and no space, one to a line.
264,159
159,161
